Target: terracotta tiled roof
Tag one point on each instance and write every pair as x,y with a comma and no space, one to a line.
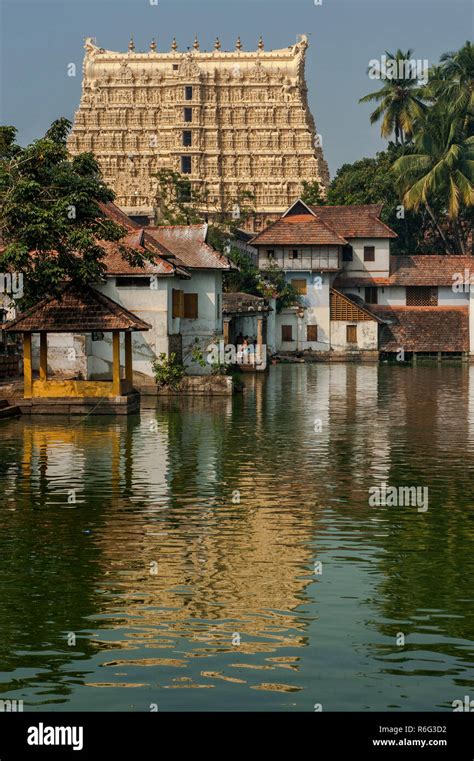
428,269
342,281
188,245
233,303
298,230
423,329
153,263
420,269
77,310
117,215
159,260
361,221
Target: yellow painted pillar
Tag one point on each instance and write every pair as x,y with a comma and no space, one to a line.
43,356
128,358
27,367
116,363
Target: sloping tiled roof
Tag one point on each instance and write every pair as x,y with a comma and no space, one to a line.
342,281
153,263
188,245
361,221
117,215
420,269
423,329
77,310
428,269
298,230
234,303
157,256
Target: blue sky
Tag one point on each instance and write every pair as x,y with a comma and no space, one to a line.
39,39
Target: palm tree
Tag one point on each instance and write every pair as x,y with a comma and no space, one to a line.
438,172
400,99
453,83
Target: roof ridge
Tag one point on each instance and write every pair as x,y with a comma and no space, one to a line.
331,229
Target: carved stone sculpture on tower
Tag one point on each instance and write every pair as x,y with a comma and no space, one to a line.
200,113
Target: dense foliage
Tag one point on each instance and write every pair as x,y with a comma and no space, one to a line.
432,162
50,220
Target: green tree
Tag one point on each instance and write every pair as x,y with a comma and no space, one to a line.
455,84
370,181
50,220
176,203
437,174
400,99
179,202
312,193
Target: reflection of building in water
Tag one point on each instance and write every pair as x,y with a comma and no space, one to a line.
233,500
166,490
228,559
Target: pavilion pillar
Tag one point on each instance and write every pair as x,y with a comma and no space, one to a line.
116,363
27,367
43,374
128,358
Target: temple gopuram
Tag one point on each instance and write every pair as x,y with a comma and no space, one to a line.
232,122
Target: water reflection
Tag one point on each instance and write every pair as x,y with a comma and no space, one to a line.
178,547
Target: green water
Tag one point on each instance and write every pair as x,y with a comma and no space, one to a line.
168,559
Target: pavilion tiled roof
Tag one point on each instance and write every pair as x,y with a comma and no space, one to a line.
423,329
355,221
188,245
298,230
77,310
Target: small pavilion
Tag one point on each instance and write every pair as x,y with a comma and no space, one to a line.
77,310
247,314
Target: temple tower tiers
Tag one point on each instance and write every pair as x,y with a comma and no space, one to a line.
232,121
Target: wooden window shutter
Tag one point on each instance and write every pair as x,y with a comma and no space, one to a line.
369,253
174,303
286,333
177,303
300,285
351,334
191,306
312,333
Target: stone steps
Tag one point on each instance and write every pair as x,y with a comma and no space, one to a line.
8,410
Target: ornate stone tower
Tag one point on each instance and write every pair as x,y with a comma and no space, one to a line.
231,121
